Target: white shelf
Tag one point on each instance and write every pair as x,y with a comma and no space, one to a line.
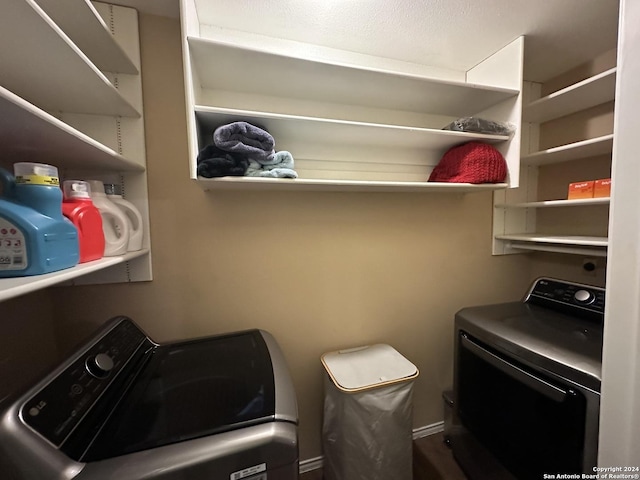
377,152
86,28
340,132
298,184
573,151
56,107
556,239
41,65
572,250
566,244
589,93
14,287
351,121
28,132
557,203
287,76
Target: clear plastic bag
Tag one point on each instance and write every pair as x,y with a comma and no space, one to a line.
480,125
368,435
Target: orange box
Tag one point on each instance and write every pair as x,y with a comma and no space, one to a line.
579,190
602,188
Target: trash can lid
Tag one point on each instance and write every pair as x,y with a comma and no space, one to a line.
367,367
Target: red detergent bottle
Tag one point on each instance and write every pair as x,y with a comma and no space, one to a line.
78,207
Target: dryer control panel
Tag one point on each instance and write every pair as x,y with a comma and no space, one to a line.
58,407
575,298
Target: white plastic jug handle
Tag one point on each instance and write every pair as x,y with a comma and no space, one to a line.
120,226
132,213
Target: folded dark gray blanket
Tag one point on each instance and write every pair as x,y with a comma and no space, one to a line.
213,162
244,139
280,167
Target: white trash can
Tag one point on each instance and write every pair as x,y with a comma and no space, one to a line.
368,410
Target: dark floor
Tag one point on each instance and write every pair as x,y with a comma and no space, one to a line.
432,460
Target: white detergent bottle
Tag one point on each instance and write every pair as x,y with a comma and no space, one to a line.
114,223
133,216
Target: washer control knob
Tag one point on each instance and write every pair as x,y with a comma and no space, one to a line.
100,365
584,297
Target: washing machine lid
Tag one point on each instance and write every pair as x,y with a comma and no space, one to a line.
190,390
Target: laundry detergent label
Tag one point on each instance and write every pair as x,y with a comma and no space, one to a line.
13,248
38,180
257,472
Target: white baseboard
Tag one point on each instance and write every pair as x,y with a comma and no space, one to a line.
428,430
310,464
316,462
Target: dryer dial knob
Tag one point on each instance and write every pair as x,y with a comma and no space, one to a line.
100,365
584,297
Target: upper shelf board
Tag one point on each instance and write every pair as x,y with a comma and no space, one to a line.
341,132
222,66
28,133
304,184
572,151
41,55
593,91
86,28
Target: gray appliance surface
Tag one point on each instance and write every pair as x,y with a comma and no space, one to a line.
261,446
548,329
556,331
559,343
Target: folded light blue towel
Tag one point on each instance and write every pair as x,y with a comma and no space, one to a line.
280,167
246,140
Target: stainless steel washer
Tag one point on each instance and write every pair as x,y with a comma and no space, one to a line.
124,407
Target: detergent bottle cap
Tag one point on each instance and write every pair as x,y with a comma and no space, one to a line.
112,189
97,187
36,174
76,189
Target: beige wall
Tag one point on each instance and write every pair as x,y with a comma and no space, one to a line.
27,341
320,271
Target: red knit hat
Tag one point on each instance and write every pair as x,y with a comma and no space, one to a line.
472,162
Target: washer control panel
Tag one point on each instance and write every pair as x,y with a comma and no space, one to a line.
569,297
59,406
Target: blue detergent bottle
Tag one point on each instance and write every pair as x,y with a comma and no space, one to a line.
35,237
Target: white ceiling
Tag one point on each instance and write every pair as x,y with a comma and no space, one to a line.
454,34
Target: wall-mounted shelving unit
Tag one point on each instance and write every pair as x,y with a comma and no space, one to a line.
352,122
78,110
515,224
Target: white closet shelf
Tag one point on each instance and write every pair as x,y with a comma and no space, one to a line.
341,132
252,70
86,28
573,250
46,68
30,134
14,287
572,151
589,93
557,203
304,184
555,239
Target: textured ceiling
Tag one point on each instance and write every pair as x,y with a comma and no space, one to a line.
454,34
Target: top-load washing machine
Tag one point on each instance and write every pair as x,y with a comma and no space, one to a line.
123,407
